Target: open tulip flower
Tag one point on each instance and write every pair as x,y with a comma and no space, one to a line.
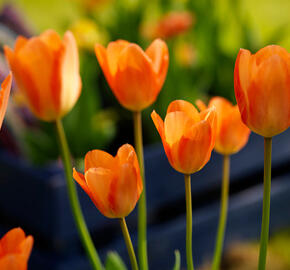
232,134
135,77
4,96
262,88
46,70
113,183
15,249
188,136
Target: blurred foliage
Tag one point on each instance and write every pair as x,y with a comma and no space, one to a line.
114,262
244,256
201,58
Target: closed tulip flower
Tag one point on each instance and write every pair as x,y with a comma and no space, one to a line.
46,70
232,134
188,136
15,249
114,184
4,96
135,77
262,88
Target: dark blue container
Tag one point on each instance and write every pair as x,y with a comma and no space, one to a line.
36,199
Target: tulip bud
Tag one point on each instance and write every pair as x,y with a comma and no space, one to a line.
262,88
114,184
46,70
188,136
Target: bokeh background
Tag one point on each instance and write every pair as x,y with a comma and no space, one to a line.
203,37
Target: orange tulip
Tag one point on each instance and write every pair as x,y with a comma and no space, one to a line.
114,184
15,249
173,24
188,136
231,135
4,96
262,88
46,70
135,77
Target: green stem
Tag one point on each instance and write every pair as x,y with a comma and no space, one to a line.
266,203
73,198
223,214
142,215
128,244
189,259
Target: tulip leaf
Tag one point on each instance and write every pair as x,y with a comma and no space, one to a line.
114,262
177,260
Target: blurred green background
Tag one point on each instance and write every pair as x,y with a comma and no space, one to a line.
202,58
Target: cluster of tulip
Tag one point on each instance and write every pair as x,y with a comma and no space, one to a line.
46,70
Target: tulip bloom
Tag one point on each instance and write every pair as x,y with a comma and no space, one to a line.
4,96
231,135
262,88
114,184
135,77
46,70
188,136
173,24
15,249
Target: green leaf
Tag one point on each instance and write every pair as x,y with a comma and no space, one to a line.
177,260
114,262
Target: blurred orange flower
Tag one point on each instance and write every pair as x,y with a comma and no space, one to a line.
114,184
4,96
231,135
170,25
46,70
15,249
262,88
135,77
188,136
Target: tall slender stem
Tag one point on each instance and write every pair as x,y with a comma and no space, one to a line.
266,203
129,245
223,213
189,259
73,198
142,215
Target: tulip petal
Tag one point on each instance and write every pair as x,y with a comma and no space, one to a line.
242,80
26,246
99,158
80,178
99,182
124,191
270,111
210,115
137,86
126,154
101,55
158,122
158,53
51,39
18,70
4,96
232,133
11,240
186,107
35,78
13,262
193,151
175,125
70,79
114,51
